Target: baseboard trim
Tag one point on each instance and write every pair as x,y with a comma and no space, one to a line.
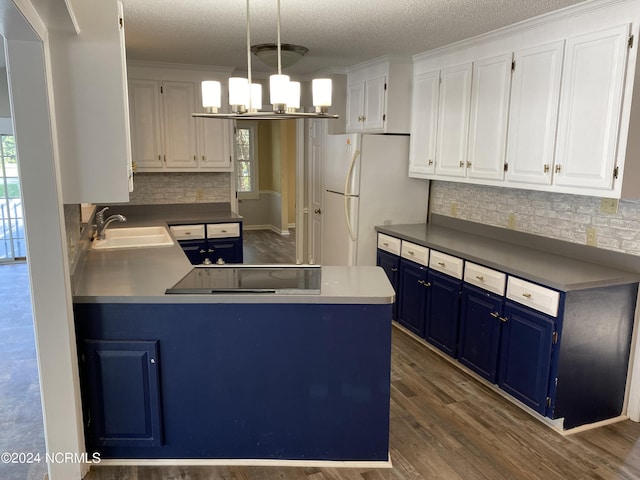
266,227
243,463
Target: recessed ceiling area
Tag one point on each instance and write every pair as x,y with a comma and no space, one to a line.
338,33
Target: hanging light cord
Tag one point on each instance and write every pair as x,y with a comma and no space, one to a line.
249,52
279,46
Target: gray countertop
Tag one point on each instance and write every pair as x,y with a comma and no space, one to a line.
556,271
141,275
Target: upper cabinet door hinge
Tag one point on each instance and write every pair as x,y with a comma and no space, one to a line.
384,117
513,65
506,167
630,41
385,85
121,21
554,337
616,171
161,89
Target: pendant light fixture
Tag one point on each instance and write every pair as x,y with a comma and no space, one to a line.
245,97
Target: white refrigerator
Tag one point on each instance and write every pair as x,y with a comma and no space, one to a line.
366,183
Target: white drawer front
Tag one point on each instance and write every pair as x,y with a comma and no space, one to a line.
446,264
223,230
539,298
415,253
485,278
389,244
188,232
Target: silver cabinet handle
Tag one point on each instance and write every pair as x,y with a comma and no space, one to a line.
480,277
526,295
441,264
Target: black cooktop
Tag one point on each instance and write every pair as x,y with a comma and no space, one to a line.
293,279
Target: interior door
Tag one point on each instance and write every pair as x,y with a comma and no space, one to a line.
317,132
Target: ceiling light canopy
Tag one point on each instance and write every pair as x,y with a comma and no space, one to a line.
289,54
245,97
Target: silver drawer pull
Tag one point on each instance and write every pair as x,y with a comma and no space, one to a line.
385,244
223,231
495,314
441,264
480,277
410,252
526,295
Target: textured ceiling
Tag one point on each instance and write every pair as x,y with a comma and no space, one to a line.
338,33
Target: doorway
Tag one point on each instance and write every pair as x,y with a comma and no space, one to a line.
266,186
12,237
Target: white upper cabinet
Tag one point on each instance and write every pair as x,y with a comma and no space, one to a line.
533,117
590,108
549,104
144,112
453,120
165,136
424,124
178,105
489,117
379,96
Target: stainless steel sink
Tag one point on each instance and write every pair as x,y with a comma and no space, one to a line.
134,237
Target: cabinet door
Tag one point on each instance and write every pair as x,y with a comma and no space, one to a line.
374,104
390,264
443,309
178,105
424,124
355,105
214,145
412,301
195,250
525,355
480,331
535,95
453,121
590,108
489,117
146,134
122,401
229,250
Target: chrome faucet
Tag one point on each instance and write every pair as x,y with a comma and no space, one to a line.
102,224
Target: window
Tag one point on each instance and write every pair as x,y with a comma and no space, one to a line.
247,160
12,239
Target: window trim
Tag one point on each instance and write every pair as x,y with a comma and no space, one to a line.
255,193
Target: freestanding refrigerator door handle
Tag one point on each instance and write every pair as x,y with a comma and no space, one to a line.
347,180
347,194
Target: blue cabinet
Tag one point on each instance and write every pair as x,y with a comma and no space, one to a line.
390,263
412,300
227,249
121,393
480,324
525,358
211,243
195,250
443,309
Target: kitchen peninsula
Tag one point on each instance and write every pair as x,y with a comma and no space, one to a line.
293,376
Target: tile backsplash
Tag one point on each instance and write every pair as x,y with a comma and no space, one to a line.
555,215
180,187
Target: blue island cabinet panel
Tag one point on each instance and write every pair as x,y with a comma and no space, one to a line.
480,331
443,310
525,358
259,381
121,393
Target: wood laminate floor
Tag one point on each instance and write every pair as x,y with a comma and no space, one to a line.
267,247
446,425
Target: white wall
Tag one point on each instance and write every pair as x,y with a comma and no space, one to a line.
262,213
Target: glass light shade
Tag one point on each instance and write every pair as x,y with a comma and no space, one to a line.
293,100
321,88
239,91
279,89
211,95
256,96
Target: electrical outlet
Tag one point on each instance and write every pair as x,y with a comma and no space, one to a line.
454,209
511,221
609,205
199,194
592,236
